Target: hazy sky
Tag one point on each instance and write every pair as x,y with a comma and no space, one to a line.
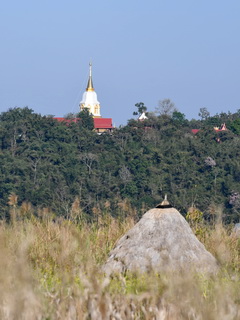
188,51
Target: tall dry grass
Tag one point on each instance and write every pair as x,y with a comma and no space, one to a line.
51,269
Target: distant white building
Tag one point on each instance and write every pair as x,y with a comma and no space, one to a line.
91,103
143,117
89,99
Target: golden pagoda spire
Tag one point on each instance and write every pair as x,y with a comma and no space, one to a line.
90,83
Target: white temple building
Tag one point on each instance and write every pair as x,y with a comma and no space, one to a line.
143,117
89,99
90,102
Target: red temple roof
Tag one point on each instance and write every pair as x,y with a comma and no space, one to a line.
66,120
99,123
102,123
194,131
217,129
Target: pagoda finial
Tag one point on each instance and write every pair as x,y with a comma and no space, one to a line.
90,83
90,68
164,204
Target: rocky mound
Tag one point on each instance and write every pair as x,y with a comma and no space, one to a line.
161,241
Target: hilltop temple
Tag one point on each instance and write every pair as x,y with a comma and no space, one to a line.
90,102
89,99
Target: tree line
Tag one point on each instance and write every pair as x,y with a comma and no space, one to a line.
51,164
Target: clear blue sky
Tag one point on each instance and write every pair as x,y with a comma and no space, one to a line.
188,51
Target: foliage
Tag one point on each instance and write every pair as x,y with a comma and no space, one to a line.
204,113
179,117
86,119
235,126
140,108
50,164
165,107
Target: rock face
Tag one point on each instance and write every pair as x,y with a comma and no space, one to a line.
161,241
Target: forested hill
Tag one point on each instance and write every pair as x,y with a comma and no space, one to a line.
50,164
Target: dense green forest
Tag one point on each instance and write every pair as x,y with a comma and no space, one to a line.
50,164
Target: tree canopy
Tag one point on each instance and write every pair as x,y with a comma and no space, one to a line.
49,163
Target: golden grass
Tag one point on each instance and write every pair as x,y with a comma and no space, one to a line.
52,270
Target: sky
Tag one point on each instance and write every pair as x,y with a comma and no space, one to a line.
141,51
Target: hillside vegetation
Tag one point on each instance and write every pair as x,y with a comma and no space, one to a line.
51,164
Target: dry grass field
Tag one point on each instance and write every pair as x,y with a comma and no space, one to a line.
51,269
